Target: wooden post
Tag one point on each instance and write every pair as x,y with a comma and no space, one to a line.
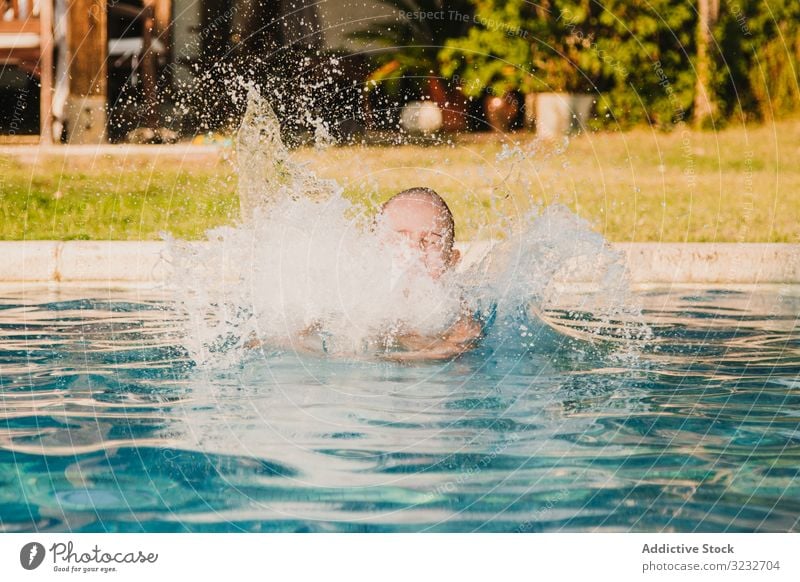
148,67
46,72
162,12
87,42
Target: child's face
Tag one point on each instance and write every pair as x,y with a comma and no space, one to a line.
422,225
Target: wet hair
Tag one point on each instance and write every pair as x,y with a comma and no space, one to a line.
431,195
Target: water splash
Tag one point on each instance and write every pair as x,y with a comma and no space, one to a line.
267,173
308,270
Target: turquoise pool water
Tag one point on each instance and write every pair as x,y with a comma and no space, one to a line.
106,426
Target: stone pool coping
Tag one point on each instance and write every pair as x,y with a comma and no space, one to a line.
123,262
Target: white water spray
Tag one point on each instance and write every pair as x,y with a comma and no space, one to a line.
307,269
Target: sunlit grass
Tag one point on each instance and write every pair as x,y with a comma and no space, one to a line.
736,185
67,199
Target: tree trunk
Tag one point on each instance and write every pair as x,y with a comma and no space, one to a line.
704,101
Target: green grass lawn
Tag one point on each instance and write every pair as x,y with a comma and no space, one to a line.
66,198
737,185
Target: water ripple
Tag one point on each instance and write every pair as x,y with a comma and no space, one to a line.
106,426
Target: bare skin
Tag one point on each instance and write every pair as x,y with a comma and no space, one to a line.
422,221
459,338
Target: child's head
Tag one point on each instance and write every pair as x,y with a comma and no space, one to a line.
426,223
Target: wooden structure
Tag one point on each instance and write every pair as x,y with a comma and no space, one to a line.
87,53
87,50
26,41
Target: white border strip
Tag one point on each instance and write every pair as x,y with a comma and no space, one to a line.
401,558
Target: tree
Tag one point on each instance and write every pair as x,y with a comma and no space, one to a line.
634,54
704,100
410,41
520,46
758,62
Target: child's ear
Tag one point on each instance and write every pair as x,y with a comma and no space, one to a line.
455,257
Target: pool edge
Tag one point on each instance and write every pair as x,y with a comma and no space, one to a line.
147,262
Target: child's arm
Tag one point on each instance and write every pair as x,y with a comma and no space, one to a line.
460,337
307,341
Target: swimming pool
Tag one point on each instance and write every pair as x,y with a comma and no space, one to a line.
106,426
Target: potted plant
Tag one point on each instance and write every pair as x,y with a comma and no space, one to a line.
541,50
406,55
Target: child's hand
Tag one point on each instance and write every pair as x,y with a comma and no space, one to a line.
460,337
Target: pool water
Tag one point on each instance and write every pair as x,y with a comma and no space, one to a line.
107,426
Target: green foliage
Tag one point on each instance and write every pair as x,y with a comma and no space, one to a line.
514,45
650,44
759,58
410,41
639,56
612,48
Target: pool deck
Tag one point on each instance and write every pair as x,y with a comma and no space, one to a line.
179,151
121,263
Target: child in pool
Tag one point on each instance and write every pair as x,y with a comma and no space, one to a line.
423,220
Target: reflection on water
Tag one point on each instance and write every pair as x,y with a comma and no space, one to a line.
106,426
